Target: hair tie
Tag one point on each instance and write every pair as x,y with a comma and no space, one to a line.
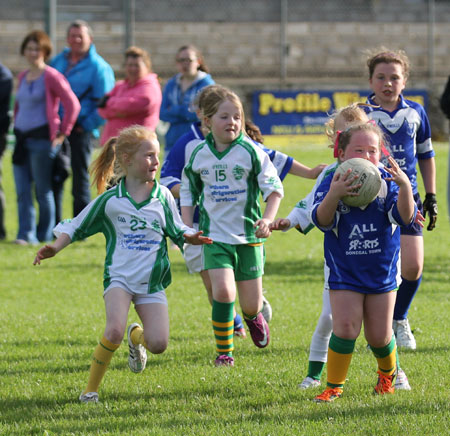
336,142
373,122
384,150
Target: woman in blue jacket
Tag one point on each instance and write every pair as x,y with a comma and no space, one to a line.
180,91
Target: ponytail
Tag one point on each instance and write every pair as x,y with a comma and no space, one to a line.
102,168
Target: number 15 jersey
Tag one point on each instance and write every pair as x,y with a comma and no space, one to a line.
226,186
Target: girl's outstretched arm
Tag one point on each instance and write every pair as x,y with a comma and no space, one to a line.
187,215
280,224
300,170
50,250
262,225
197,239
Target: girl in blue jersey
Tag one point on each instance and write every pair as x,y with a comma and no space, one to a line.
300,218
356,239
407,128
224,176
135,216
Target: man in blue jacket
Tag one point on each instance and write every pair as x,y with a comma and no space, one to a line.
90,77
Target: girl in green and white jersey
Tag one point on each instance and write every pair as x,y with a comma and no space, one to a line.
225,176
136,216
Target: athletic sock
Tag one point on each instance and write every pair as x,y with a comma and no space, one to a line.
223,327
397,359
340,353
405,295
315,369
137,336
250,317
100,360
386,357
238,322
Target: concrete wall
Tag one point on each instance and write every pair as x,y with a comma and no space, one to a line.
242,43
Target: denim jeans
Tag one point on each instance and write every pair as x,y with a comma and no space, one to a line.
81,150
35,173
2,193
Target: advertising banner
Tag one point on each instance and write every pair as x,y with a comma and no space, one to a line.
295,116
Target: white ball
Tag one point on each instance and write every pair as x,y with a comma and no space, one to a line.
368,176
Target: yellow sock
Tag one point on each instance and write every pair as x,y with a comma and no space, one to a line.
100,360
137,336
340,353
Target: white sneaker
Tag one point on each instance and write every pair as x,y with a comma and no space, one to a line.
309,382
89,397
137,358
266,310
405,338
401,382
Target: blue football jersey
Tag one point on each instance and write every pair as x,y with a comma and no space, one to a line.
362,245
408,131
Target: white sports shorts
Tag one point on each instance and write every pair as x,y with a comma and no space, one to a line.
193,258
137,299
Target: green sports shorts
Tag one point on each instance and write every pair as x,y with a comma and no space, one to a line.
247,261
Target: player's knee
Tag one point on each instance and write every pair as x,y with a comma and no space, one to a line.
412,269
114,334
157,345
346,330
325,324
223,294
412,272
380,341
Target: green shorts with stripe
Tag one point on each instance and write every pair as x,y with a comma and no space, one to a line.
247,261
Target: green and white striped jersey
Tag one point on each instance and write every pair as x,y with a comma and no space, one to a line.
226,187
136,248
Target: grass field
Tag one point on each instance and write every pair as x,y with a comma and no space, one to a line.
52,316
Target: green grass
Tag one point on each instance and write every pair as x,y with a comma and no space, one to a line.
52,316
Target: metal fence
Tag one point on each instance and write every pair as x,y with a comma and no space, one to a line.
281,40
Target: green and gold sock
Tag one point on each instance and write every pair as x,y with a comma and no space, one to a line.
223,326
386,357
340,353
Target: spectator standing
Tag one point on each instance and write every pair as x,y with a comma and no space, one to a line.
445,106
6,85
90,77
39,134
180,91
135,100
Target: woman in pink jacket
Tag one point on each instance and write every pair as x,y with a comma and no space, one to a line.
39,134
135,100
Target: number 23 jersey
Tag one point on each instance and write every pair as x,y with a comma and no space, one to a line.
135,233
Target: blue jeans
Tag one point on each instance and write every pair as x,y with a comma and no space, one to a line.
38,169
2,193
80,151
